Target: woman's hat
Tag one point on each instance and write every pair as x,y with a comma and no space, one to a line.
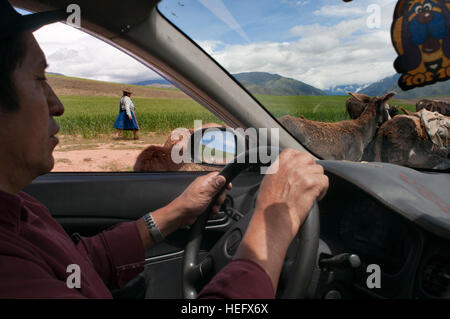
12,22
127,90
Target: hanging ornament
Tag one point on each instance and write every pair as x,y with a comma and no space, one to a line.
421,36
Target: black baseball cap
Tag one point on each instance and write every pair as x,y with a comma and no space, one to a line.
12,22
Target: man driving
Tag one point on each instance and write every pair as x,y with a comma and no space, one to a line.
35,251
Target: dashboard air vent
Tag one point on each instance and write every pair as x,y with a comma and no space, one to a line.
436,277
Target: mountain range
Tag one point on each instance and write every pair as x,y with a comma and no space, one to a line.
439,89
274,84
161,83
382,87
389,84
258,83
344,89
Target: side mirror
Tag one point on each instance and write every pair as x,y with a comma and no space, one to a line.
213,146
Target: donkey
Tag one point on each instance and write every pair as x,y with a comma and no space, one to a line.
404,141
355,108
442,107
344,140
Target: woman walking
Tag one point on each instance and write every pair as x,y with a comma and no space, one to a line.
126,120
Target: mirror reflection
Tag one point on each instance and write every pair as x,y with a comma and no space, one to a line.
217,147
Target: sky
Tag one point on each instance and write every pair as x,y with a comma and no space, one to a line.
323,43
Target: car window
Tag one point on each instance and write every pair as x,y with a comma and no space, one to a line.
89,76
301,59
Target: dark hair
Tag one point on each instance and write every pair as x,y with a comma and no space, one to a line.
12,53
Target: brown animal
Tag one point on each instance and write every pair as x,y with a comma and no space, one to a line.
355,108
183,134
442,107
393,111
180,135
406,111
156,158
344,140
404,141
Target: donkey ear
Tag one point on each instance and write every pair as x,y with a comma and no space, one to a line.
406,111
360,97
387,96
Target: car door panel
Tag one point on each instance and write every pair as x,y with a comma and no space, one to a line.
88,203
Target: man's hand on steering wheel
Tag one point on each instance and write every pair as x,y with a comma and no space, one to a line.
186,208
197,197
284,200
292,190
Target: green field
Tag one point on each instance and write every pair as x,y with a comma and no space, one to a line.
316,108
91,116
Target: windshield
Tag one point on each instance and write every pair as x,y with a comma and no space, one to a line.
325,70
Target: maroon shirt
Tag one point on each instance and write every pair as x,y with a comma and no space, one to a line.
240,279
35,253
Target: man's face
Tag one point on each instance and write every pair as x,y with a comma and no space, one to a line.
28,134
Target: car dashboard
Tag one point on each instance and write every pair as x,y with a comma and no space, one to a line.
397,258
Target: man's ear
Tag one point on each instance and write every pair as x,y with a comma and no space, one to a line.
360,97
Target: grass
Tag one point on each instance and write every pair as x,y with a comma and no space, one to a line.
113,166
316,108
90,116
77,147
63,160
93,117
69,143
126,147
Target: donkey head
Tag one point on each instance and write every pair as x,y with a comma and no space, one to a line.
378,103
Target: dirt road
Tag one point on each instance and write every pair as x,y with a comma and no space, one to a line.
103,155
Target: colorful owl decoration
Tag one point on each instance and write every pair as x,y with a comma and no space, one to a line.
421,36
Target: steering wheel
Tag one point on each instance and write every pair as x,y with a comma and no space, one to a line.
300,258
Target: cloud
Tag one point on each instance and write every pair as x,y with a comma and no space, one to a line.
334,33
339,11
211,46
63,54
74,53
343,52
296,2
322,56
